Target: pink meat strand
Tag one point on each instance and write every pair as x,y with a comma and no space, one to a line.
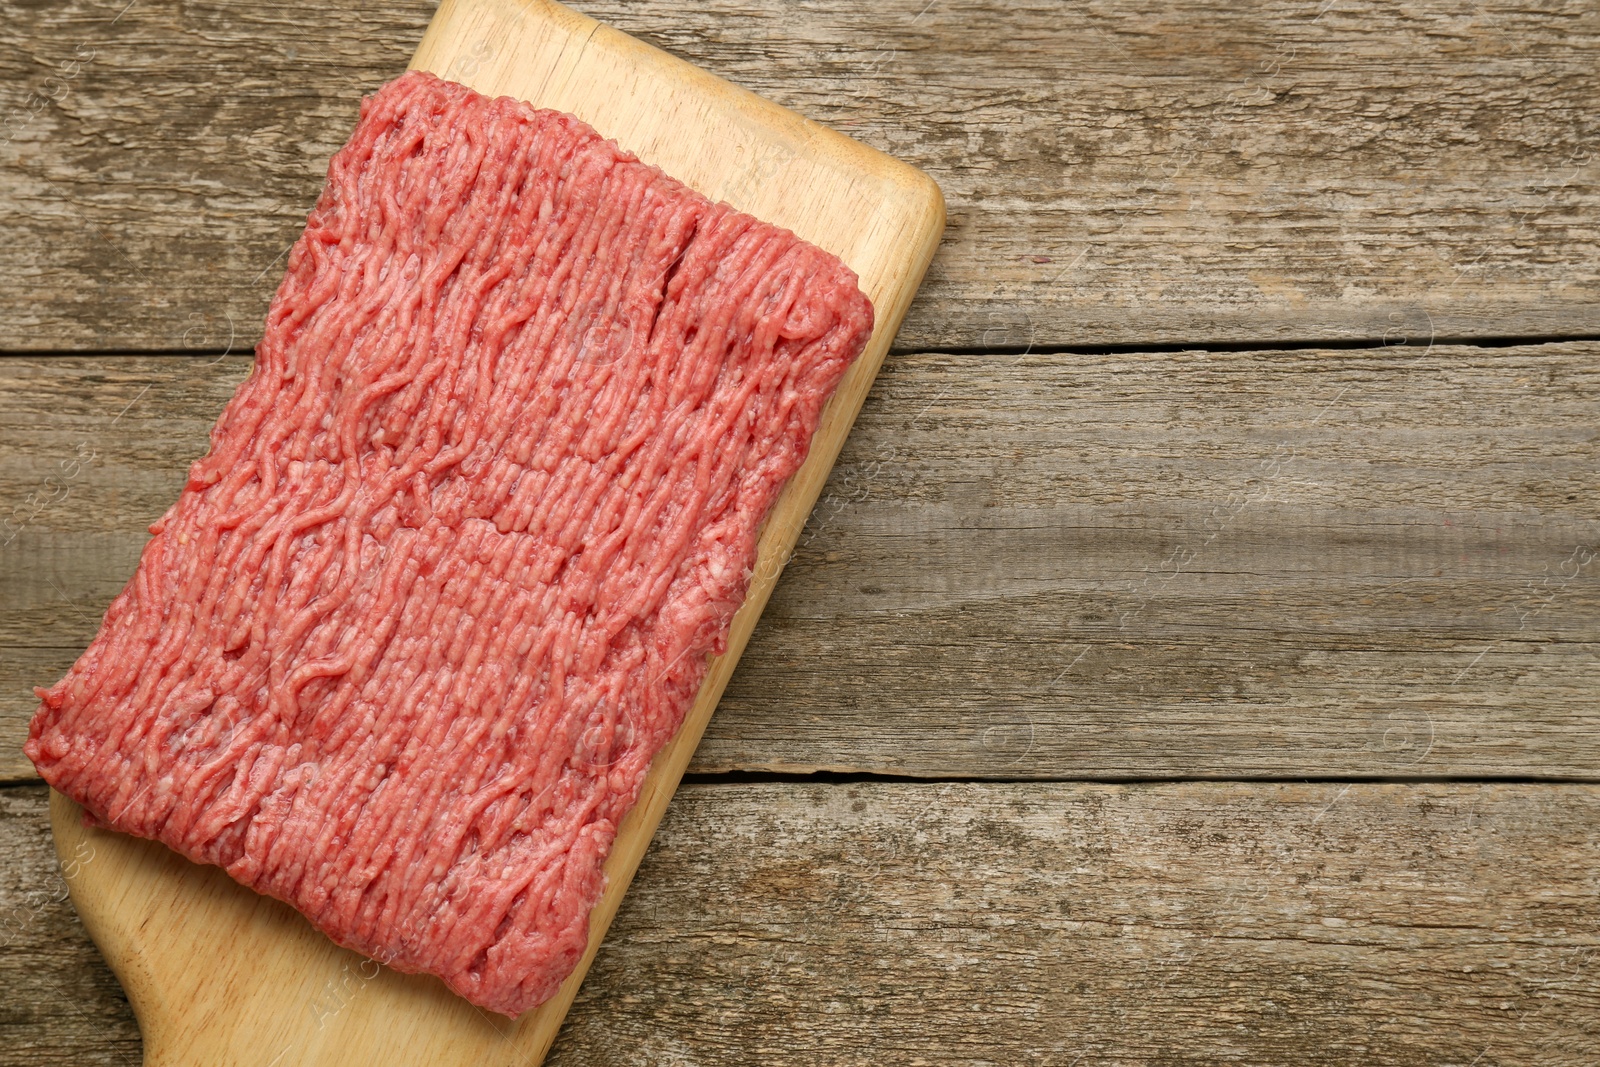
451,572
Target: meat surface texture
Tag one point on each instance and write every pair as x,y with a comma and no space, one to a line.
451,572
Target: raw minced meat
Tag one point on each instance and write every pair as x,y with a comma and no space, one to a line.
449,576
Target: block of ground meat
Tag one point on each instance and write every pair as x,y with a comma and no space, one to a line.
449,576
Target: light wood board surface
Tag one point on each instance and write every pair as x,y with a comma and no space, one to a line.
1118,171
1445,925
216,973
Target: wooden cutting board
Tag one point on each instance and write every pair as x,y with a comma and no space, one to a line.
222,977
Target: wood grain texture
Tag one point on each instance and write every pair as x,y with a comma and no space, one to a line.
1318,925
1319,562
59,1003
1162,170
882,217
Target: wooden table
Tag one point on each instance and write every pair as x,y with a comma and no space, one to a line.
1195,656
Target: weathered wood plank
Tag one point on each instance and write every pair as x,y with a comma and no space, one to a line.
1165,170
1044,923
1349,562
60,1003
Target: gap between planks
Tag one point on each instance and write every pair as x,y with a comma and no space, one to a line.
1133,349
